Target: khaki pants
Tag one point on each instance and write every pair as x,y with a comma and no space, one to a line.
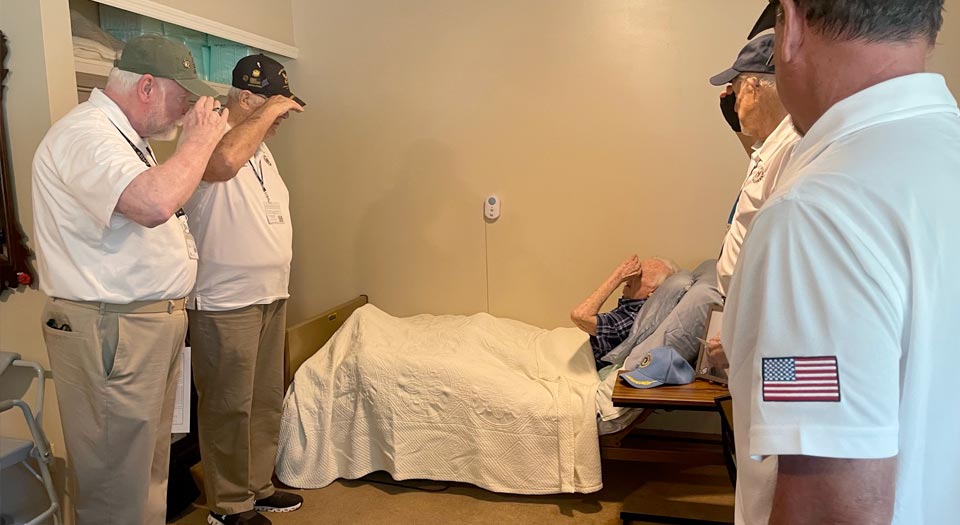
238,370
116,371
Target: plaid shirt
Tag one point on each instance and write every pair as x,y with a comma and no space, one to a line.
614,326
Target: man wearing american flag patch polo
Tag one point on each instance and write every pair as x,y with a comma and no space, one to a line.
841,319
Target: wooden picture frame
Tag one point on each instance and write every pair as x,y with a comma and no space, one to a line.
14,270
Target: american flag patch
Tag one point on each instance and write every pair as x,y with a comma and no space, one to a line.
801,379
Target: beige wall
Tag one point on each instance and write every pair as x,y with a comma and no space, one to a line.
593,121
270,19
579,115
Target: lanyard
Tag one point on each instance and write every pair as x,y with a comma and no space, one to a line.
180,212
733,210
259,175
137,150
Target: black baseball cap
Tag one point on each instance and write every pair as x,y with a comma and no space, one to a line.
263,75
755,57
767,20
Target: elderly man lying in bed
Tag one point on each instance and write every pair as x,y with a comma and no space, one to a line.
640,279
495,402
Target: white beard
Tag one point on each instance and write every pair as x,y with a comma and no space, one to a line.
166,136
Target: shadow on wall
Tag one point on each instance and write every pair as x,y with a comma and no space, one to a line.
419,245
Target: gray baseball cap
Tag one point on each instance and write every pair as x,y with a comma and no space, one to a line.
755,57
661,366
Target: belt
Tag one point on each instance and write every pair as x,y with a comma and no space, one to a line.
165,306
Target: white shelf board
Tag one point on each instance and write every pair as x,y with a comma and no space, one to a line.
92,66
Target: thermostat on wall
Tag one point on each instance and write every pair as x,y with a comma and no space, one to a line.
491,207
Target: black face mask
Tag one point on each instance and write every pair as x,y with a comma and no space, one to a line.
727,107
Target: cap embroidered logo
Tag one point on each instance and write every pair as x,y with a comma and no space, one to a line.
645,362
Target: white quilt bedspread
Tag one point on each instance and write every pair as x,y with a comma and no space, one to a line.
493,402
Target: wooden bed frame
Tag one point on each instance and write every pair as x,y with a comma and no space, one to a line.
304,339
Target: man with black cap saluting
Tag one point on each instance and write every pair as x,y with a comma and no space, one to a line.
117,260
241,217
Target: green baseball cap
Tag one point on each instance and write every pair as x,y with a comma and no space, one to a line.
163,58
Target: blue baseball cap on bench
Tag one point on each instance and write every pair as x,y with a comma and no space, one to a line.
661,366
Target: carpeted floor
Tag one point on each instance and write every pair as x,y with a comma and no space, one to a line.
367,501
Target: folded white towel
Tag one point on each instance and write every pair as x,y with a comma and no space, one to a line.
86,48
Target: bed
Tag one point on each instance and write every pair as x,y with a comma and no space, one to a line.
493,402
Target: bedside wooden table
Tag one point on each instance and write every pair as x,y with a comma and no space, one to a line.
671,447
698,395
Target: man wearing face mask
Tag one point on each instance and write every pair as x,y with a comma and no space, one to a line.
753,109
640,279
241,217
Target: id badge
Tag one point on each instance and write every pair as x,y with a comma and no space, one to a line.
188,238
274,213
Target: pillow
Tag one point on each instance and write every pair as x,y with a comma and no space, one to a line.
654,311
706,270
686,322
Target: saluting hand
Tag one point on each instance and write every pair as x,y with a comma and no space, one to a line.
205,123
280,105
628,268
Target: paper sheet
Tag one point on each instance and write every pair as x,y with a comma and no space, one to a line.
181,408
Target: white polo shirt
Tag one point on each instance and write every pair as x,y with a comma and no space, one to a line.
766,164
86,251
244,237
840,326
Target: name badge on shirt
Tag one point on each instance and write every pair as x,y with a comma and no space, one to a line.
274,213
188,238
